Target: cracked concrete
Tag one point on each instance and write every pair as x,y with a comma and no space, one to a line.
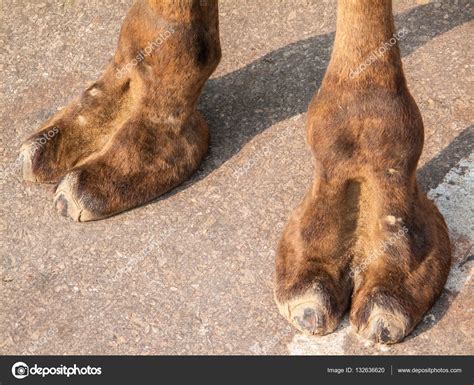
192,272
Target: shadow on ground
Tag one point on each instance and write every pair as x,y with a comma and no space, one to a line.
432,173
281,84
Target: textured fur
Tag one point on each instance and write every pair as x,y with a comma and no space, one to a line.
366,135
135,134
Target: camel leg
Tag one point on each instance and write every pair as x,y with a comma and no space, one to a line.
365,236
135,133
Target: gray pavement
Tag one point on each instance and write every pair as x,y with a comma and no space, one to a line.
192,272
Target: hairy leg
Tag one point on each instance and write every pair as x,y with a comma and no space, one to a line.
365,234
135,133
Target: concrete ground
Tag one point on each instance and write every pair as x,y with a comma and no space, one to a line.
192,272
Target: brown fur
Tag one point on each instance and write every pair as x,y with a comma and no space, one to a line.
366,134
130,138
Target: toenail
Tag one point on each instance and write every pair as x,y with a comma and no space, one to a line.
61,205
386,328
382,332
310,321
